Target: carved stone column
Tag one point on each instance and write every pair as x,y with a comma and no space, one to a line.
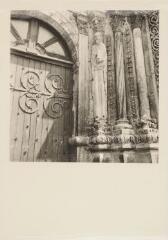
117,25
120,76
130,74
98,72
99,77
80,139
111,83
141,75
83,79
122,131
147,128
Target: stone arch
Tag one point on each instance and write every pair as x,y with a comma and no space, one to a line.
54,24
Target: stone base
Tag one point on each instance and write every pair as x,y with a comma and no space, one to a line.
123,145
131,156
122,124
137,155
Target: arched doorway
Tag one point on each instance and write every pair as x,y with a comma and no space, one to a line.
41,93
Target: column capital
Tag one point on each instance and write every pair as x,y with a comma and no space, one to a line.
117,23
82,23
137,20
97,21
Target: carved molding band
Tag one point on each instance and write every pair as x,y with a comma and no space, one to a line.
111,86
132,97
125,139
116,140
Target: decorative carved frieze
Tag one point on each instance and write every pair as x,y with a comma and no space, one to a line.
153,20
114,141
111,85
123,136
131,85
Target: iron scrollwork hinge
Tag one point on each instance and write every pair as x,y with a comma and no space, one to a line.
55,98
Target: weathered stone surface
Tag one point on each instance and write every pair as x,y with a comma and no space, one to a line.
120,76
141,75
129,52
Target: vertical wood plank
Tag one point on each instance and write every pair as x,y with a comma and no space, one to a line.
49,156
42,156
23,63
13,69
26,121
13,110
33,120
32,33
55,137
39,116
51,134
68,124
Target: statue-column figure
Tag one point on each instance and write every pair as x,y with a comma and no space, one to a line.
99,77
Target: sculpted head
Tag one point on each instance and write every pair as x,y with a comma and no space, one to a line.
98,37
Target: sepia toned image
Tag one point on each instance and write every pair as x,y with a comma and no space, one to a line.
84,86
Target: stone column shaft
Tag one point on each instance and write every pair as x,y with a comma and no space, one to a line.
141,75
120,76
150,70
83,97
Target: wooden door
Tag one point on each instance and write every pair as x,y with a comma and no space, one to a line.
41,110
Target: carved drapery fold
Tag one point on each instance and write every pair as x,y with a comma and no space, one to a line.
99,75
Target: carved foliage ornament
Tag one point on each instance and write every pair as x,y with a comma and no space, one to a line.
82,23
117,23
153,20
111,93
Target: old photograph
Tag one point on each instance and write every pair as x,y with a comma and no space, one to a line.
84,86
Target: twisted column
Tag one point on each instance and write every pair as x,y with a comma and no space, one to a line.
120,78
